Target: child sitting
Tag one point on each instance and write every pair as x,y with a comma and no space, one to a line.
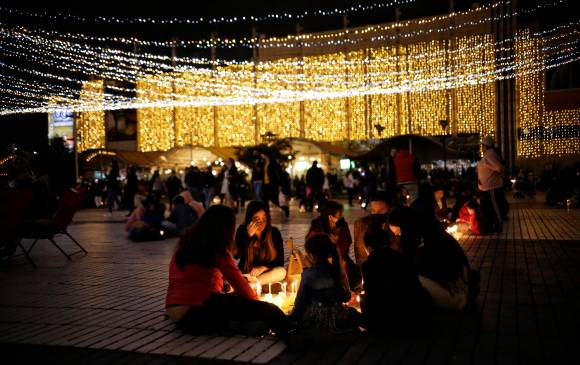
469,214
323,290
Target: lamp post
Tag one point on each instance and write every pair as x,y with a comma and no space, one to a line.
444,123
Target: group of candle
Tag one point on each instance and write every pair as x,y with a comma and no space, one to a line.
282,299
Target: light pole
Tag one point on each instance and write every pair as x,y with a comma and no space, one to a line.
444,123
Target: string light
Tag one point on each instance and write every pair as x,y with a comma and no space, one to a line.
219,20
338,96
90,126
376,33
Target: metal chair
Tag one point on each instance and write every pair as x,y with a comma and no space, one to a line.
69,203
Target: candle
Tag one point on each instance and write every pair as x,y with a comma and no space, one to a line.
270,288
358,298
283,292
258,288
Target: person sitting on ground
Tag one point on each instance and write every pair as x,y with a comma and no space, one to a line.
144,224
381,203
442,212
333,224
259,246
195,299
194,203
323,290
181,217
424,205
394,301
441,263
470,215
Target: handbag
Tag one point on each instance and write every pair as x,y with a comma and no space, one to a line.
295,264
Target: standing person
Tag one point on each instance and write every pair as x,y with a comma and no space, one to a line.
229,187
258,179
191,180
113,186
195,299
273,179
156,185
348,182
323,290
259,246
208,183
173,187
408,170
315,181
131,189
490,182
332,223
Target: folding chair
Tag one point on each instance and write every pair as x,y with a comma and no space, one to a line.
15,203
69,203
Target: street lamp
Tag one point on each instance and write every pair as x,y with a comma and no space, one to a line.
444,123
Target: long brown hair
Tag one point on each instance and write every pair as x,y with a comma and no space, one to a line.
211,235
267,251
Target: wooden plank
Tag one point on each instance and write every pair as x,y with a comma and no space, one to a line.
205,346
255,350
270,353
219,349
240,347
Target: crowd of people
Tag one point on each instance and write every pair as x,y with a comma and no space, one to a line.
405,265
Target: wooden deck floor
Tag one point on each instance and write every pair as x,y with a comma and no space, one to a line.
107,307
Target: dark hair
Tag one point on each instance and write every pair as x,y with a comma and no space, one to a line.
412,227
210,236
376,237
330,207
266,248
326,209
382,196
438,186
472,204
178,199
320,246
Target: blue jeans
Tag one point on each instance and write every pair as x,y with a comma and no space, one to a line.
258,190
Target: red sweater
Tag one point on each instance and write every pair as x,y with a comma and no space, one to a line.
194,284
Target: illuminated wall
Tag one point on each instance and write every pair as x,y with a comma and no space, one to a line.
90,125
155,126
541,133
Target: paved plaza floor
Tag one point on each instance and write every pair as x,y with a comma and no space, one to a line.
107,307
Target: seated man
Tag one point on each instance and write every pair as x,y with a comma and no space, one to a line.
145,221
380,203
182,216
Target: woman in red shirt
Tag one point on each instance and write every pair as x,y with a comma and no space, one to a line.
195,299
